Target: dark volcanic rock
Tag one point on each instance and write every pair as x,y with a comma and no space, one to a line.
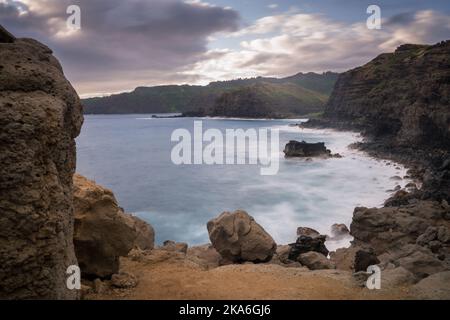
304,149
40,117
306,244
364,259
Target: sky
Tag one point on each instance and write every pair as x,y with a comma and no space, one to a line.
125,44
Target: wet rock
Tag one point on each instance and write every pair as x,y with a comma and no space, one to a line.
315,261
40,117
304,149
238,238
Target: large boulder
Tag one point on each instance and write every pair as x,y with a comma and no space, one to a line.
103,232
40,117
238,238
435,287
305,149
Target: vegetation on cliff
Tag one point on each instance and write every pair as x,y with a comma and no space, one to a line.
298,94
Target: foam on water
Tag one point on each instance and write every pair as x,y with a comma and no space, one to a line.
132,158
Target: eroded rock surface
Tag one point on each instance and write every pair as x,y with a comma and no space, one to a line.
40,117
238,238
103,232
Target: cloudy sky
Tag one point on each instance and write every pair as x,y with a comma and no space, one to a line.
124,44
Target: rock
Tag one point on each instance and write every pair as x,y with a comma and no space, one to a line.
421,263
99,286
208,256
305,231
361,278
40,117
175,246
315,261
339,230
238,238
124,280
443,234
392,278
5,36
364,259
306,244
344,258
103,232
304,149
392,228
429,235
435,287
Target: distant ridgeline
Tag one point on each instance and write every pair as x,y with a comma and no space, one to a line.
300,94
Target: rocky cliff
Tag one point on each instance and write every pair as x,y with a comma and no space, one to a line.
40,116
401,100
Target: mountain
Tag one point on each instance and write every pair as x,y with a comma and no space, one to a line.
404,95
401,102
298,94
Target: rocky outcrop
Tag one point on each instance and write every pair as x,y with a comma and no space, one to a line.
103,232
238,238
40,117
306,150
308,240
393,227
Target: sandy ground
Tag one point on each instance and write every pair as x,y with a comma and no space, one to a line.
184,280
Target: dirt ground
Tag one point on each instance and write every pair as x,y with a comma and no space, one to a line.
182,280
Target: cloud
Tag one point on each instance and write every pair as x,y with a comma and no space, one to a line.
272,6
284,44
122,44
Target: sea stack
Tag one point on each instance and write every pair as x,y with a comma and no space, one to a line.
40,116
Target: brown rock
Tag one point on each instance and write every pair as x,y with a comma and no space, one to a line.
315,261
238,238
40,117
174,246
103,232
124,280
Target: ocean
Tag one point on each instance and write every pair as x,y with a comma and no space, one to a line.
131,155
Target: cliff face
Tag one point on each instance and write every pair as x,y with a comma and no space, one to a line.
40,116
403,95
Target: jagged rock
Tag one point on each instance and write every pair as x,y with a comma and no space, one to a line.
238,238
103,232
364,259
422,263
124,280
428,236
40,117
174,246
393,227
306,244
304,149
315,261
443,234
435,287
